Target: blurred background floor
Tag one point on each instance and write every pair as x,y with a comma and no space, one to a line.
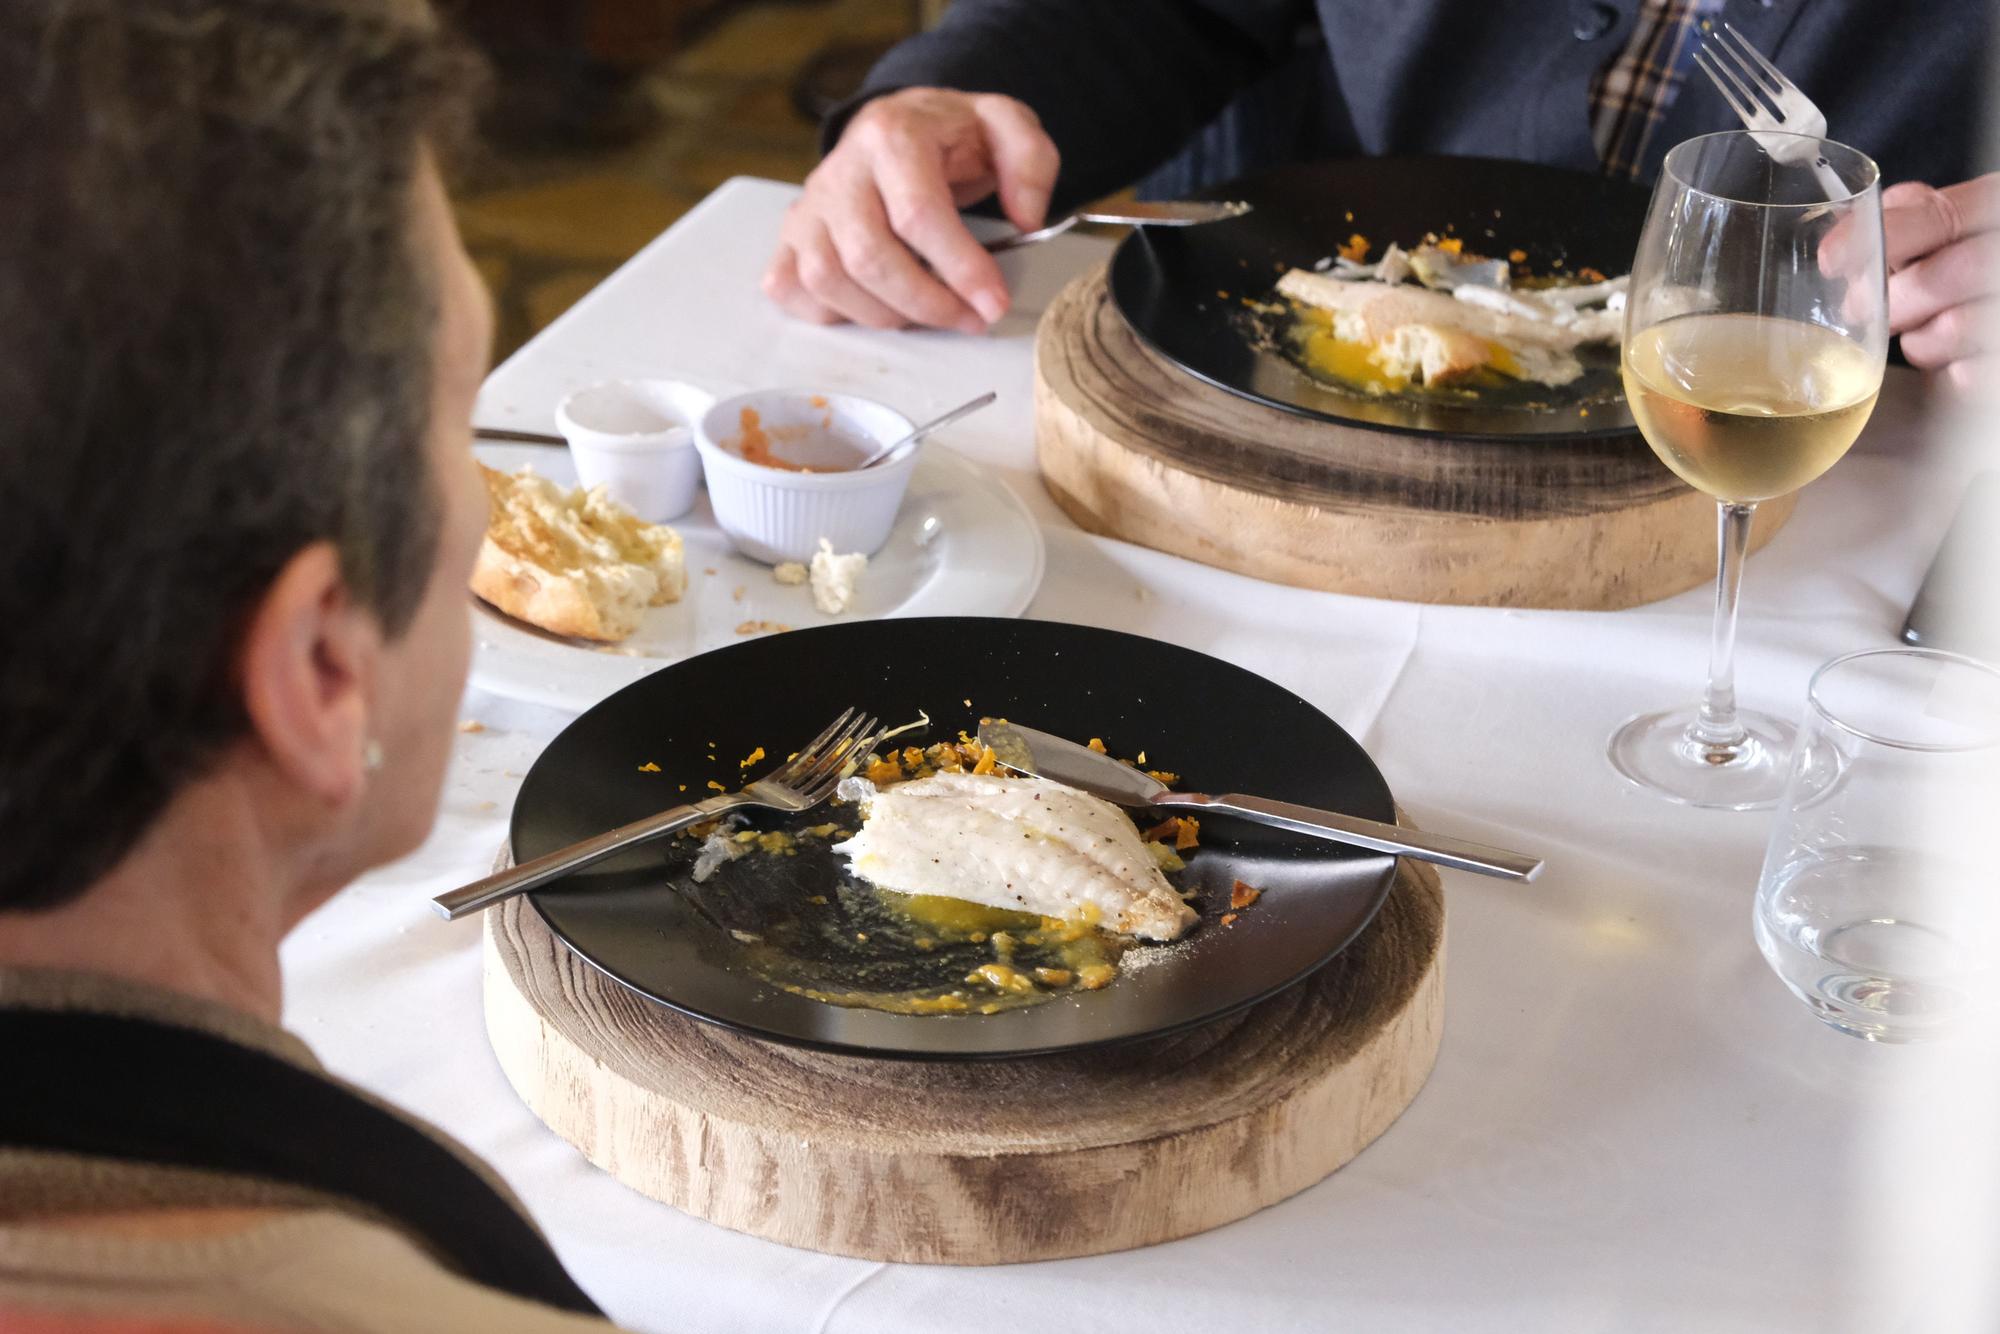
611,118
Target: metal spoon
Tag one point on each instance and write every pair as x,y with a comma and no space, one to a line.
962,410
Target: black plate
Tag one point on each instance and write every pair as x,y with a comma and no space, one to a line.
641,919
1168,281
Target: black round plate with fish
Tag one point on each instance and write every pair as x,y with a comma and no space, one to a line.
703,948
1183,289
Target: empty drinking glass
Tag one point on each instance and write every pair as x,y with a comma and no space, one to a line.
1877,904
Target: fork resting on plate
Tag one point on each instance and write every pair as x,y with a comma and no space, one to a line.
799,784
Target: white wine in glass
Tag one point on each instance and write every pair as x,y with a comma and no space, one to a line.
1756,332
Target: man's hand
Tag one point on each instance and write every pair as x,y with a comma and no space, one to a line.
1944,277
884,205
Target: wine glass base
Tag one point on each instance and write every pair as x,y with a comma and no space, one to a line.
1659,753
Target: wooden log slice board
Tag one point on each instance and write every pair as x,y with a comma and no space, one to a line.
1132,446
975,1162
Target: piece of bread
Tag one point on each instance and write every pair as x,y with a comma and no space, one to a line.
573,562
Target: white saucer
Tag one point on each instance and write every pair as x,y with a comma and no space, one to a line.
963,545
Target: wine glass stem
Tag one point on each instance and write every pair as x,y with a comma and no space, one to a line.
1717,733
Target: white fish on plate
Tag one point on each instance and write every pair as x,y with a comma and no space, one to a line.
1434,337
1465,317
1024,844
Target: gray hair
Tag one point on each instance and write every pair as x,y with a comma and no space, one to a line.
215,350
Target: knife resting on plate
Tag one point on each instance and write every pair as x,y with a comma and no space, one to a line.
1027,751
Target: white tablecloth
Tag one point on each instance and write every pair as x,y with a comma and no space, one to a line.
1631,1126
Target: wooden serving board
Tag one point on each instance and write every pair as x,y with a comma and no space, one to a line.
975,1162
1132,446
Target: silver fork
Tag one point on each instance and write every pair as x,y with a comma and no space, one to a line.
799,784
1771,106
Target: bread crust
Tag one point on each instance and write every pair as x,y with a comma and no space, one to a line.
549,601
531,572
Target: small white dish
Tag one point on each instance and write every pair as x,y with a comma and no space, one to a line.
773,514
965,545
635,438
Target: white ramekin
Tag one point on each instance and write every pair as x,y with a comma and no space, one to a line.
635,438
773,515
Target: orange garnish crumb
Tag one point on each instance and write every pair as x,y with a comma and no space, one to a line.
1518,256
1185,832
1096,743
1589,274
751,758
1229,919
1163,776
1356,248
986,761
649,768
1452,245
717,786
883,772
1242,895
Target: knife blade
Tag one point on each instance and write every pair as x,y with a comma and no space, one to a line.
1045,755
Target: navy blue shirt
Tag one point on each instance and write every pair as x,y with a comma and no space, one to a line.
1181,93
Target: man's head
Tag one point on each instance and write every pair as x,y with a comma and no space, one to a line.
238,348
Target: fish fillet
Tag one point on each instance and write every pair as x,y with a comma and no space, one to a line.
1021,843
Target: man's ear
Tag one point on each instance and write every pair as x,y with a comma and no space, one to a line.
305,663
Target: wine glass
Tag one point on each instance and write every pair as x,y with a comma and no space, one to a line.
1756,330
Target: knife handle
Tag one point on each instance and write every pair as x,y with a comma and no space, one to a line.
1372,834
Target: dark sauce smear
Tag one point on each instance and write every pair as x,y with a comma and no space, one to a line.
787,908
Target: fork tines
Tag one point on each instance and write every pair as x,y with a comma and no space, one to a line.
1747,73
821,763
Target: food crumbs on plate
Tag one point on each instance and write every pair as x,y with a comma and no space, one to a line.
1348,216
1242,895
684,787
762,628
817,400
736,593
751,758
986,761
1096,976
709,571
1518,256
1451,245
1229,919
789,572
1185,832
1142,759
1589,274
1097,744
471,725
1166,776
1223,293
486,805
649,768
1356,248
717,786
968,703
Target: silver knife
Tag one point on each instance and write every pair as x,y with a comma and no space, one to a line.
1027,751
1136,213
